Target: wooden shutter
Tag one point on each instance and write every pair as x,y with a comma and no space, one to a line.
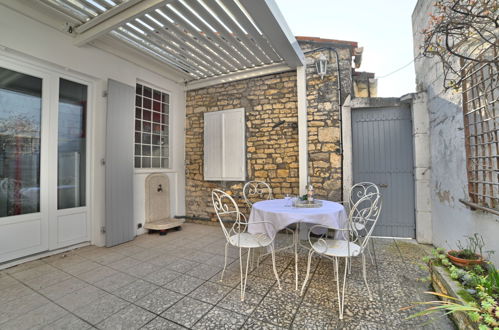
213,146
225,145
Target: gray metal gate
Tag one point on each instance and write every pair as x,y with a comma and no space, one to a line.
383,154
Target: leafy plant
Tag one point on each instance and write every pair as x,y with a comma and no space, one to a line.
472,249
451,306
480,288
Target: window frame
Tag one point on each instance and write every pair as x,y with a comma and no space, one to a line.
168,134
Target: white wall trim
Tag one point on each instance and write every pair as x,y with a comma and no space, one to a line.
301,86
346,122
422,165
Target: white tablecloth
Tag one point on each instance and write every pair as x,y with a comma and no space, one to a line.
331,214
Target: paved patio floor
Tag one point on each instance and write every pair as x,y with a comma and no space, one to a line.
172,282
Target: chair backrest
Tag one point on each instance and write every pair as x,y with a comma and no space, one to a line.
361,189
254,191
227,210
366,211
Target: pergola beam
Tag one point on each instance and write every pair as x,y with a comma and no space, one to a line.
270,21
108,24
107,14
239,75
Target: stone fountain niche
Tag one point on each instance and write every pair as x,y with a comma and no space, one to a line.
157,204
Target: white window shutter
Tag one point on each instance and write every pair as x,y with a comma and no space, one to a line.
212,146
234,146
225,145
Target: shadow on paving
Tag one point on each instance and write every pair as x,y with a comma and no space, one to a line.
168,282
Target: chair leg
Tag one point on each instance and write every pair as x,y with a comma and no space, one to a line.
369,251
365,276
243,286
309,262
296,239
349,268
241,270
341,299
275,269
225,262
336,271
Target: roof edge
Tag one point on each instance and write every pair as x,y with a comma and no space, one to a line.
353,44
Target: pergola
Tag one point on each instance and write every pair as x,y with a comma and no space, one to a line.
198,42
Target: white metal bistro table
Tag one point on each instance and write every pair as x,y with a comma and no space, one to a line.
330,214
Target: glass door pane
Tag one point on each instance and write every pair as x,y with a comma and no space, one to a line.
71,169
20,128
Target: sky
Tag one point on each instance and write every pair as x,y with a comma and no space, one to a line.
383,28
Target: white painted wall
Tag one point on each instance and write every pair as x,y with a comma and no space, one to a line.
451,219
31,40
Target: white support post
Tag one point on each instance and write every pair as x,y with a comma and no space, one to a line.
301,86
346,124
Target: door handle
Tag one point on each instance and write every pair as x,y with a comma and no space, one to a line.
383,185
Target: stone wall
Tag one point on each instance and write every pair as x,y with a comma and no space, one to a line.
323,109
272,153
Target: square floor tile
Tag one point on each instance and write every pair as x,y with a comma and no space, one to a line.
63,288
135,290
20,306
24,266
142,269
106,258
187,311
79,268
97,274
315,317
254,324
184,284
81,297
210,292
47,279
68,322
160,323
124,263
275,312
131,317
159,300
203,271
219,318
36,318
13,290
162,276
32,272
114,282
233,302
100,309
181,265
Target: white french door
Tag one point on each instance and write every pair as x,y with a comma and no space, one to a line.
44,159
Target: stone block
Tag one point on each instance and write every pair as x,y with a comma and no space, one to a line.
283,173
326,134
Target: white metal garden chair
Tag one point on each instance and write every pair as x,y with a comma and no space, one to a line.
357,192
254,191
237,236
354,245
